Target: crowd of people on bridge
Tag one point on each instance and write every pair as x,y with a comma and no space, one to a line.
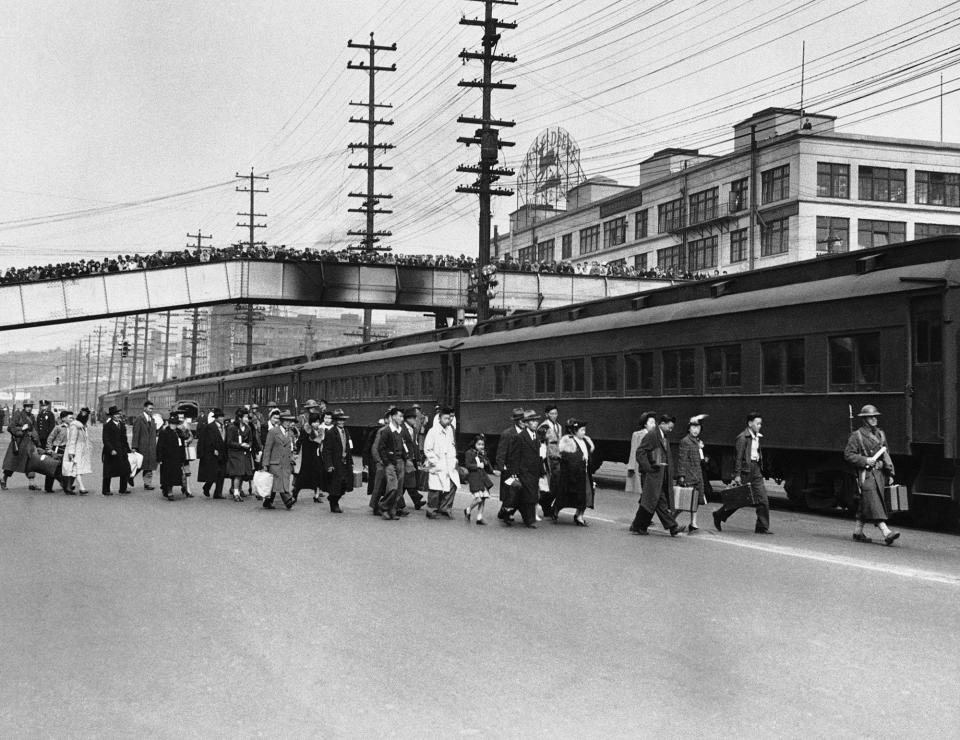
544,466
283,253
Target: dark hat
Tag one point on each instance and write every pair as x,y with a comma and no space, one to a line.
312,417
339,415
28,402
64,414
217,412
110,411
285,415
148,402
869,410
531,415
410,413
44,403
574,424
517,413
311,404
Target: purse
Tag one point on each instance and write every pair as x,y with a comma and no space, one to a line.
190,452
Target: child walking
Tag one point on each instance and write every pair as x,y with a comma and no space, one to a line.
478,476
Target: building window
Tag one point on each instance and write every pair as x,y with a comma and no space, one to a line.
525,254
678,370
924,230
884,184
605,375
833,180
928,337
614,232
590,239
640,262
670,215
833,234
501,380
775,237
775,184
739,194
784,364
545,377
703,205
855,362
571,372
723,366
638,375
880,233
641,223
668,259
566,246
545,251
703,254
739,243
938,189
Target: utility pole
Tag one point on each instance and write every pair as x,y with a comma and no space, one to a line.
133,359
123,339
194,339
146,349
166,349
86,385
369,237
113,352
252,225
78,367
200,236
488,135
96,377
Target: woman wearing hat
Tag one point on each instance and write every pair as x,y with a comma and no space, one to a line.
23,442
576,472
278,460
240,451
310,476
690,465
77,459
172,456
867,451
648,421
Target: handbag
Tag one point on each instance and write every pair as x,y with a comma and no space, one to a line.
543,484
135,460
685,498
423,480
262,483
734,497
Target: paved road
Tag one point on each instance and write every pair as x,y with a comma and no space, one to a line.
138,617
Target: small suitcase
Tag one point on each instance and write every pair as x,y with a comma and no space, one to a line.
895,498
736,496
685,498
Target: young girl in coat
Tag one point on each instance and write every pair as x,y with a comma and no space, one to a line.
478,476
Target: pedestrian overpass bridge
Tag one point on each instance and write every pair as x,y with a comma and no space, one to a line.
442,291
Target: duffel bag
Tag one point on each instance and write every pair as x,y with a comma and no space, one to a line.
48,465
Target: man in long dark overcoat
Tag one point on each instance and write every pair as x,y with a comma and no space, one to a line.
523,463
23,443
172,457
212,468
144,441
507,493
46,423
653,459
338,460
115,451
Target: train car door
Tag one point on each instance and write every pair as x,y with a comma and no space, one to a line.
927,360
450,379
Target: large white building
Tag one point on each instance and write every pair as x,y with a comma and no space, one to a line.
792,188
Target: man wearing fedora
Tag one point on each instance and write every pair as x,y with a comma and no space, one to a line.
23,443
278,460
507,493
867,451
749,470
522,465
115,451
337,453
212,468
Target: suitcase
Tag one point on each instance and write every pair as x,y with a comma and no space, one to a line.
895,498
736,496
685,498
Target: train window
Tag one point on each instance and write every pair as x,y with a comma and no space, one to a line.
393,381
367,386
546,377
928,335
410,385
722,366
678,370
855,361
426,383
572,373
784,363
379,386
639,371
501,380
605,376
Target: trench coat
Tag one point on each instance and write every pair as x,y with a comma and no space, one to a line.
312,474
633,474
172,457
863,444
144,441
440,451
212,451
508,495
523,461
576,474
337,463
77,458
115,440
240,459
23,441
278,458
653,458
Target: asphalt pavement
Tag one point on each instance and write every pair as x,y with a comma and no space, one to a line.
138,617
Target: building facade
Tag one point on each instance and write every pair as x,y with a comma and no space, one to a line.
792,188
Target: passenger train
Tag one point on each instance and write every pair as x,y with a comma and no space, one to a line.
805,344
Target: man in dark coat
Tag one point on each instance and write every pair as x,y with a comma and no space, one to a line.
115,451
749,470
46,423
653,459
171,456
414,458
392,453
23,443
338,460
522,464
144,441
212,445
507,497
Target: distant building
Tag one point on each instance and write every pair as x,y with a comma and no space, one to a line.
799,190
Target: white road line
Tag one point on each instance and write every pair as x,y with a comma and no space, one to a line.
794,552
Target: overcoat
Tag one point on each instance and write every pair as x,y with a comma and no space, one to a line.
240,459
212,451
77,459
46,423
338,463
312,474
23,442
653,458
576,474
633,481
523,461
478,469
278,458
414,455
863,444
440,451
689,464
144,441
115,440
507,493
172,457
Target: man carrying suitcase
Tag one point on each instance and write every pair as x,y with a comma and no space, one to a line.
749,471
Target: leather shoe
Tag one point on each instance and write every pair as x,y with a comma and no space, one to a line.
149,488
267,505
431,514
579,522
762,531
717,521
388,516
891,538
403,512
675,531
107,493
335,508
419,505
861,537
530,525
481,523
187,494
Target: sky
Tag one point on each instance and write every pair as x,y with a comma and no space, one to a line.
125,122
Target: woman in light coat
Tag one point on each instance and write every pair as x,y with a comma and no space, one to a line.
77,457
440,451
634,483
